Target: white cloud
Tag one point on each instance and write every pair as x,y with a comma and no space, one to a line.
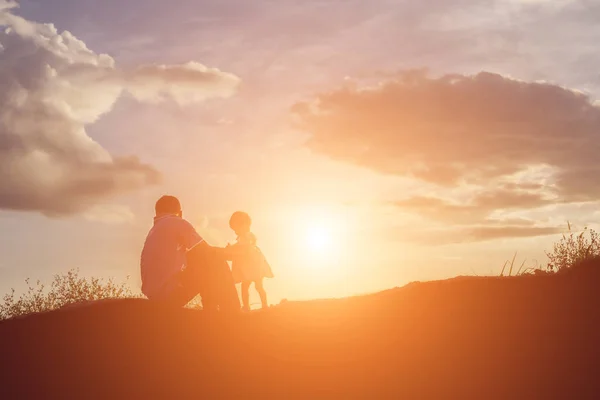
7,4
109,214
51,87
186,83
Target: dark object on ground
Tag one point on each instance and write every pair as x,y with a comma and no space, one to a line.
208,274
529,337
219,289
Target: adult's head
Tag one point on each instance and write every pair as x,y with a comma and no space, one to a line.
168,205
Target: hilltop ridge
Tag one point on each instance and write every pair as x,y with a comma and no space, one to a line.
524,337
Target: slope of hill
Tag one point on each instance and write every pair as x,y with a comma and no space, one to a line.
530,337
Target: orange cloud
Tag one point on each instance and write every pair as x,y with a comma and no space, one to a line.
457,129
474,234
476,210
482,134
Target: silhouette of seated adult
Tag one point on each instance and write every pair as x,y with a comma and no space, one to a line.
177,264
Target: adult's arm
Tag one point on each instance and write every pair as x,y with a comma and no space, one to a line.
203,250
197,248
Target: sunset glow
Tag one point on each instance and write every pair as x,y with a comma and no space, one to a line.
318,242
262,199
319,239
368,160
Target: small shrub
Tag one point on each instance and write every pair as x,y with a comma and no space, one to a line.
572,249
65,289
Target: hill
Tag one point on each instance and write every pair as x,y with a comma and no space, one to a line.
528,337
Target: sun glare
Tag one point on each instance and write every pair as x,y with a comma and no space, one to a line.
318,238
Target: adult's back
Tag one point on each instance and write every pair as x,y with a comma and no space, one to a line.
164,254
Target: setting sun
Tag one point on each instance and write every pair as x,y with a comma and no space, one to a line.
318,238
320,234
311,199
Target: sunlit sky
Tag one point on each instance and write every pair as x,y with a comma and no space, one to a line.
373,143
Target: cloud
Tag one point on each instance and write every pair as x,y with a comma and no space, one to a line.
187,83
109,214
449,236
501,143
506,232
8,4
479,208
51,87
458,129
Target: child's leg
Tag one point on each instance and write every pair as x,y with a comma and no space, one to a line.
246,294
261,292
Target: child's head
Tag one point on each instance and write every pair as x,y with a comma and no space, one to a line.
240,222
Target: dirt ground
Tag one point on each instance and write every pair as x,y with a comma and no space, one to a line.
531,337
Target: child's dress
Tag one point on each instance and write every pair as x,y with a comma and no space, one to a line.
248,263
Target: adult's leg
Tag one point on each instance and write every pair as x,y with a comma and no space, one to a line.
210,272
258,285
199,277
221,287
207,289
227,293
181,293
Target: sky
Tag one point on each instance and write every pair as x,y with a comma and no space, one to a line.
373,143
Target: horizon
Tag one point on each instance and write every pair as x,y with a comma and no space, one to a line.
372,144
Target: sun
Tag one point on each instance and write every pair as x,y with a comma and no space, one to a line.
318,238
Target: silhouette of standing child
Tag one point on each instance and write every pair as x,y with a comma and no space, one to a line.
248,262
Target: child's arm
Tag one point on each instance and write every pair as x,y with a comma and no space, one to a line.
233,250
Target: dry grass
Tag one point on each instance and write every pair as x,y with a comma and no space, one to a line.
65,289
573,248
